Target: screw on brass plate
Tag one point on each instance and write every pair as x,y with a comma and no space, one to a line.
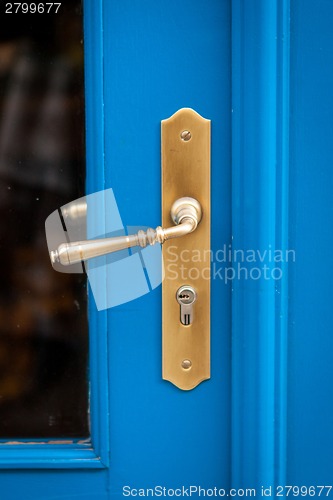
185,135
186,364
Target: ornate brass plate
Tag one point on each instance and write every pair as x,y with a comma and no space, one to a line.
186,172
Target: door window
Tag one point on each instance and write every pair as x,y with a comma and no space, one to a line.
43,314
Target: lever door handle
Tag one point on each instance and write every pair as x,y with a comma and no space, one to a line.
185,212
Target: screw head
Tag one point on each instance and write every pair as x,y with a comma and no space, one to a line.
185,135
186,364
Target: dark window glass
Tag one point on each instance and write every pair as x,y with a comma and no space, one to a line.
43,314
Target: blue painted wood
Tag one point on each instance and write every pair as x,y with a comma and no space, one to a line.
159,57
95,181
282,333
260,222
310,339
88,453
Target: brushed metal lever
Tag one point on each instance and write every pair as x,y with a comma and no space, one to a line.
185,212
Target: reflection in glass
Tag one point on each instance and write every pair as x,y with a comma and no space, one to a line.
43,314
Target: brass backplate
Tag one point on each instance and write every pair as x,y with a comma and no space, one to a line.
186,172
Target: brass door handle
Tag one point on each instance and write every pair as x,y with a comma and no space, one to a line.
185,212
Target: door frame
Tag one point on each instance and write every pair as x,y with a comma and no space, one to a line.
260,151
94,451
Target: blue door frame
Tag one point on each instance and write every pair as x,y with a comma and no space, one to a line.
260,147
264,418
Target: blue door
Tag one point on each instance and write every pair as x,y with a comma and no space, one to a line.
262,72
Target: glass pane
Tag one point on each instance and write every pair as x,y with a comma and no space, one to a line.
43,314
